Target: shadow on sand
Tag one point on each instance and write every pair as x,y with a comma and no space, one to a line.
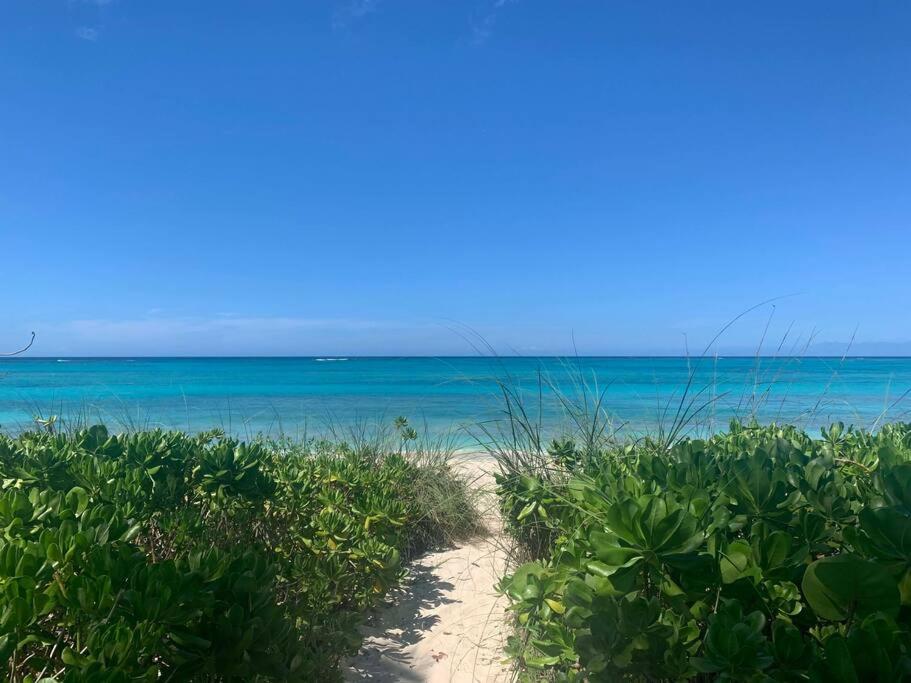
391,630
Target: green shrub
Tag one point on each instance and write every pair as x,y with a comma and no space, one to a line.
162,556
758,554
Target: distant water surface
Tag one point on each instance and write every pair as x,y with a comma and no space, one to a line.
295,396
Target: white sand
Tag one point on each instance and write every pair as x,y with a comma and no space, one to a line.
446,623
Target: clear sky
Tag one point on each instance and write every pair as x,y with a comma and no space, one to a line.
361,177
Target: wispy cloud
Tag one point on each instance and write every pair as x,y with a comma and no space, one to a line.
239,335
352,12
90,17
87,33
483,27
164,327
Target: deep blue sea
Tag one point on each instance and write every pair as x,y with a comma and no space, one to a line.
298,396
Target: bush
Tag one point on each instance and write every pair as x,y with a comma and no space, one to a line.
162,556
758,554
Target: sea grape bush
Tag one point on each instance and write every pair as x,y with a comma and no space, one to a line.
162,556
755,555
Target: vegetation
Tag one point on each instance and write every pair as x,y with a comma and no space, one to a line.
163,556
756,554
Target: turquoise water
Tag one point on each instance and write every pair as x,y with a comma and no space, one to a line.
297,395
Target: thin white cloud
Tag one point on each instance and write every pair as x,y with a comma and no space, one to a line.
87,33
352,12
237,335
483,27
161,327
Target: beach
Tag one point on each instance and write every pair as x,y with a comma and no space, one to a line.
447,622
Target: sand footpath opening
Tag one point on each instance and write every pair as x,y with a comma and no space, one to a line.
446,622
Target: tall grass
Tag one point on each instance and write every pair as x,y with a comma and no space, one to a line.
545,468
443,492
525,444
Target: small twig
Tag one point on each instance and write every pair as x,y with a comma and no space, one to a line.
23,350
50,657
846,461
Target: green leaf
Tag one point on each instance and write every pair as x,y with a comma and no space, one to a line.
845,585
772,551
79,498
787,644
737,562
527,510
555,605
838,660
888,531
607,549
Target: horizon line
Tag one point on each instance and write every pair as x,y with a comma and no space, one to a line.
492,356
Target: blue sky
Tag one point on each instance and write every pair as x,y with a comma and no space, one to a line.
362,177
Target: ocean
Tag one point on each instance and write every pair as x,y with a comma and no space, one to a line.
461,396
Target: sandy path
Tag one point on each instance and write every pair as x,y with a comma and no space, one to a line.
446,623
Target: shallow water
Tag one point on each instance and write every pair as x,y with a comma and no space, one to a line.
303,395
